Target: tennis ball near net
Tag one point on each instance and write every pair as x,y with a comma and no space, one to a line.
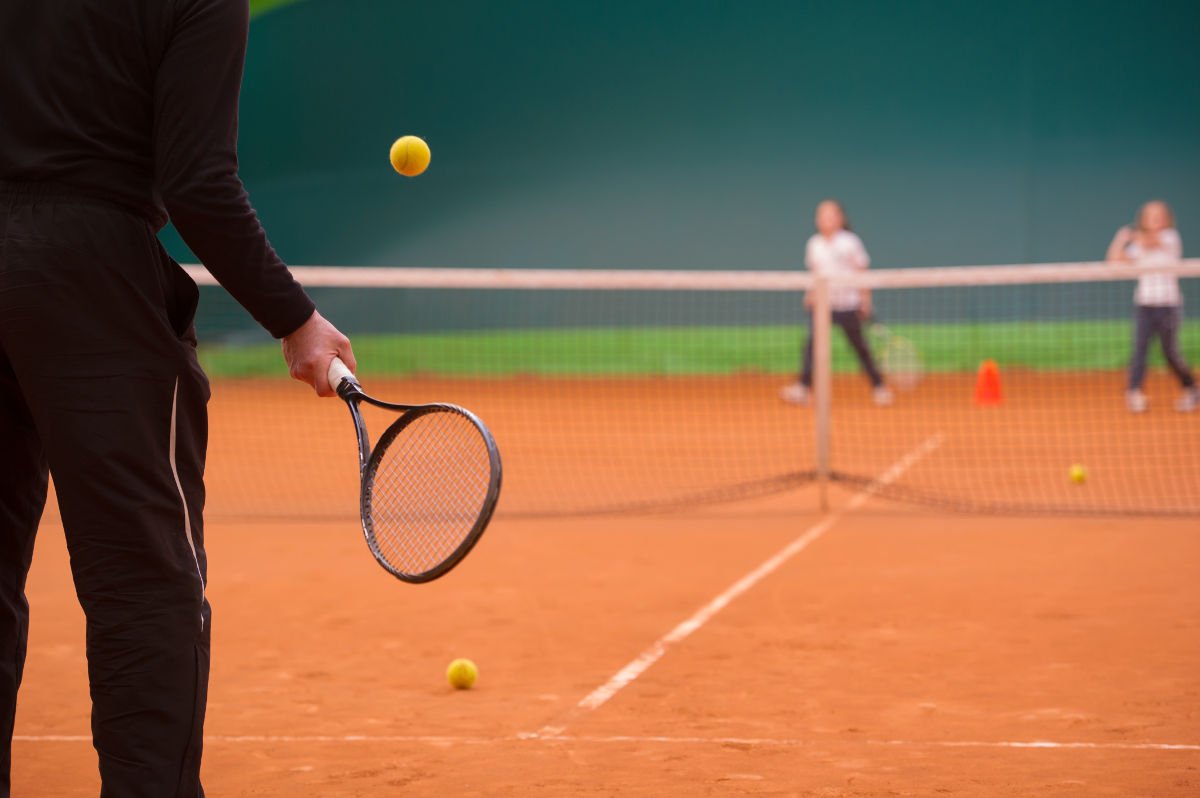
462,674
410,156
1078,474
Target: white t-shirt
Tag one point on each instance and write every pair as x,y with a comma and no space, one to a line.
1155,288
844,253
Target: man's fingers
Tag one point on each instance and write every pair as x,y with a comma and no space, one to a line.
313,374
309,349
318,378
346,353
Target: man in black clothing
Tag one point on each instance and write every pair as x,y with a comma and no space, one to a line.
115,116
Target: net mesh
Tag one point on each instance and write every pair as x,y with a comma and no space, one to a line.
429,480
633,391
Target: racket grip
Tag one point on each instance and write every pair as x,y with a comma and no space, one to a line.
339,372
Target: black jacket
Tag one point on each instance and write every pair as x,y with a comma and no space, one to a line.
135,102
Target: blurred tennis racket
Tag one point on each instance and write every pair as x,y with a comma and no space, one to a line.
898,357
428,488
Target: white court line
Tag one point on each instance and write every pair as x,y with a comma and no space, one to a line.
1041,744
764,742
647,658
753,742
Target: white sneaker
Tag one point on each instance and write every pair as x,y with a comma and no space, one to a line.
795,393
1188,401
1136,401
883,396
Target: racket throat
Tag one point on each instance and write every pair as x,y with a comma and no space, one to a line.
360,429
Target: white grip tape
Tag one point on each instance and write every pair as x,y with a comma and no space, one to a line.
338,371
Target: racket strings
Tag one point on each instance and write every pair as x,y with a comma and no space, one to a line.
901,363
898,357
429,485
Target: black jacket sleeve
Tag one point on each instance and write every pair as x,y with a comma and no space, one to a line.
197,88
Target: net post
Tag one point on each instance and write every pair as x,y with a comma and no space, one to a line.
822,383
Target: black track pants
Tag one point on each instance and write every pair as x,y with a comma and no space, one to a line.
100,384
851,323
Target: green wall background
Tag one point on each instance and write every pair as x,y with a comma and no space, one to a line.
701,133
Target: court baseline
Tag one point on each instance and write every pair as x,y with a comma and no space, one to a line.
753,742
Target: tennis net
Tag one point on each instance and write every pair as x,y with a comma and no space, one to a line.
628,390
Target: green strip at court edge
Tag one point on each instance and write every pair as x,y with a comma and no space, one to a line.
649,351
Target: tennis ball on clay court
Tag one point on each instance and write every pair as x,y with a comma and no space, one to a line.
1078,474
410,156
462,674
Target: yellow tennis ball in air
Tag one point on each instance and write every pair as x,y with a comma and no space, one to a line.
1078,474
462,674
410,156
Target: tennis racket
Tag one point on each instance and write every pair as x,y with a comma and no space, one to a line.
428,488
898,357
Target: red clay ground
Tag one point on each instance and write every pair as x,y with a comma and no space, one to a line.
902,653
894,656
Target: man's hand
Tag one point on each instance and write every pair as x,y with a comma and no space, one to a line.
309,350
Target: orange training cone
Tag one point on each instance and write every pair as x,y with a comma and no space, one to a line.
987,384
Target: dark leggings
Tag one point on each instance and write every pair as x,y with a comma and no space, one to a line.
851,323
1163,322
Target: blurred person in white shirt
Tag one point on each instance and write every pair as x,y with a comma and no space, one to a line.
834,250
1152,242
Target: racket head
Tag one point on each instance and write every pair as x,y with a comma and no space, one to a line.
429,490
898,357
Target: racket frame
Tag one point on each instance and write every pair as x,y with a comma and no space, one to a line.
885,338
350,391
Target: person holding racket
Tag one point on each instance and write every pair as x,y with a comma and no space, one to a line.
1153,241
834,250
117,116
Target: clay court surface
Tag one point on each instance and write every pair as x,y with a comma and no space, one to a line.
896,650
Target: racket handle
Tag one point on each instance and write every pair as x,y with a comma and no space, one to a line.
339,372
